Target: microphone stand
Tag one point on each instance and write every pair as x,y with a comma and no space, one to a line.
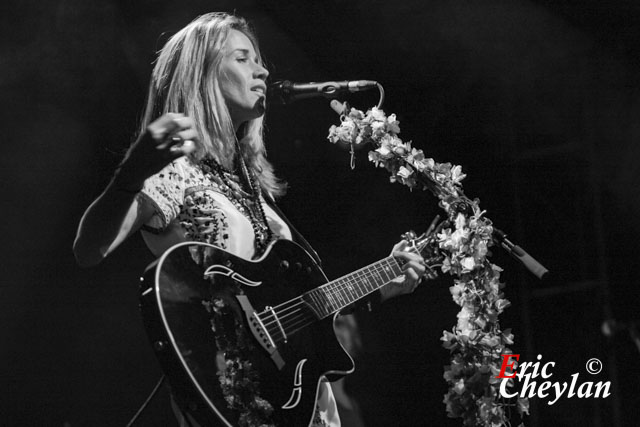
462,203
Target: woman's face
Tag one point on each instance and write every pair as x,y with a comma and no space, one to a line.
242,79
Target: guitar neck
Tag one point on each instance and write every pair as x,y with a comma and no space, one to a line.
338,294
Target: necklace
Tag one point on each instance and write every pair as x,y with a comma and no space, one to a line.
249,204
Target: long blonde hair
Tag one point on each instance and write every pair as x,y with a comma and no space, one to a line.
185,79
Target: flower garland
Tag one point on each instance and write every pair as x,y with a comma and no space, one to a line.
239,380
477,341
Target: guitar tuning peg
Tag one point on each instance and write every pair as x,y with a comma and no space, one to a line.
409,236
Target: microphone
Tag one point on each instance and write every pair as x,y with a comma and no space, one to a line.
287,92
517,252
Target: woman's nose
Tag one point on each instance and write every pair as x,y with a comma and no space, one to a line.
261,72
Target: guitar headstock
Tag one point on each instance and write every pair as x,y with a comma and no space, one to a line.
426,245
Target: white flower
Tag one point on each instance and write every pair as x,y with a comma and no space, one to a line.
457,175
343,133
459,386
378,114
468,264
415,156
404,172
465,326
384,151
446,265
456,291
481,250
459,238
400,149
461,221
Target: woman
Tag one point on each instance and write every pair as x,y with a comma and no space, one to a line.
198,171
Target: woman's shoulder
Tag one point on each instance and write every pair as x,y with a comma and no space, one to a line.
186,163
181,173
184,167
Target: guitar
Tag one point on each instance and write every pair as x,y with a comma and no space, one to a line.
246,343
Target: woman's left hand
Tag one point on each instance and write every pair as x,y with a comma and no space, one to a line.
414,270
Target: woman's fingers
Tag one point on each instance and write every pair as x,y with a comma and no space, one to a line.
167,138
180,148
413,261
184,138
412,279
174,135
164,126
409,256
185,134
413,269
400,246
182,143
170,128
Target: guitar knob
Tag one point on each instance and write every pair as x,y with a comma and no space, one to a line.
298,266
284,265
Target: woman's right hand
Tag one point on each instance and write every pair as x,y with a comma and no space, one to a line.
171,136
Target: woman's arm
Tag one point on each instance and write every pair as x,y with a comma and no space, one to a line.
108,221
117,213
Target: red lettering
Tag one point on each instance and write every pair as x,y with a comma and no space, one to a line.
506,364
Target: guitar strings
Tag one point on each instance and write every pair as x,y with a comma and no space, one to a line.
334,288
337,286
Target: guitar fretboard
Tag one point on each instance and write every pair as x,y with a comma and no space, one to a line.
336,295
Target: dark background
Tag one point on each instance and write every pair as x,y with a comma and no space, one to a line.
537,100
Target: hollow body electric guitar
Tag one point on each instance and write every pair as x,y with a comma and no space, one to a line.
247,343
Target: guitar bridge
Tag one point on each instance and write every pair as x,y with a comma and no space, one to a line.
259,331
275,316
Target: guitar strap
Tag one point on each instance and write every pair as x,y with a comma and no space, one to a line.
295,234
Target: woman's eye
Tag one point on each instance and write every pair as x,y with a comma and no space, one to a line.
243,59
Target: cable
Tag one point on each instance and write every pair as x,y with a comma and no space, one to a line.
146,402
381,90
